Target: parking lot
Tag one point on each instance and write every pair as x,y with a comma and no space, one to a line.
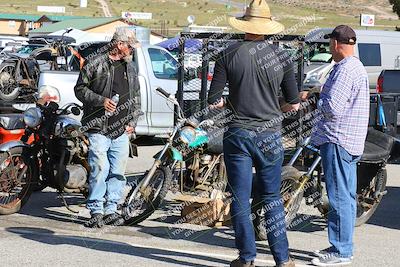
46,233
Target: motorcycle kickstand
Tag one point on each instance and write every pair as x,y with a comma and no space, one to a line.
61,195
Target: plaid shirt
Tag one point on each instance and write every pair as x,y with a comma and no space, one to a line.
344,106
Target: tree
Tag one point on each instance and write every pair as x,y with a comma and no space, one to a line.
396,6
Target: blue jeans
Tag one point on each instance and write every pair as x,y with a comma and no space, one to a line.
242,150
340,170
107,161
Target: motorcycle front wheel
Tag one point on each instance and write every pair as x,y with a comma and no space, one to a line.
17,178
138,205
290,191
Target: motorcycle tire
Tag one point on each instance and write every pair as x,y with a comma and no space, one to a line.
363,215
8,204
289,184
290,178
148,207
7,70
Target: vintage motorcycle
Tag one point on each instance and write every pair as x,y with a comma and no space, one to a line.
193,152
371,182
56,157
19,76
302,176
12,127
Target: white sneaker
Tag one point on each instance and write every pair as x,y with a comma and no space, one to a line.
323,252
331,259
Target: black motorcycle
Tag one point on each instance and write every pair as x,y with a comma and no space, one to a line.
371,178
57,156
19,76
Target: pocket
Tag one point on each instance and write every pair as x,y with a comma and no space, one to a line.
270,146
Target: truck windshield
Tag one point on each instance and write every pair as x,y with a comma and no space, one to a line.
163,64
319,52
28,49
322,57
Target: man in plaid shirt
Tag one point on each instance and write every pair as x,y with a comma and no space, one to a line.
340,134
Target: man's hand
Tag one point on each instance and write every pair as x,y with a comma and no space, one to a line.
304,95
220,104
109,105
129,129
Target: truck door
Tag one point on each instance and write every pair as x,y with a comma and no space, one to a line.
163,72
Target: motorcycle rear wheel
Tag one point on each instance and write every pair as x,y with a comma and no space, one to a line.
16,181
139,209
365,213
9,89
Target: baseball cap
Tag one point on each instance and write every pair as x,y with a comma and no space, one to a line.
123,34
343,34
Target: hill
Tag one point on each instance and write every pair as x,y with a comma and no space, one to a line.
173,13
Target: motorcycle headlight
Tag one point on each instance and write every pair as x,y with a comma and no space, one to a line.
48,93
187,135
32,117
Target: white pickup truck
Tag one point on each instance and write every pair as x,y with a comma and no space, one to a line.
156,68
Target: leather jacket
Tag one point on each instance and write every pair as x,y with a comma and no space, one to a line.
94,85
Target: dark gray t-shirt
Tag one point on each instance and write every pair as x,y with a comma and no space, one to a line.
256,73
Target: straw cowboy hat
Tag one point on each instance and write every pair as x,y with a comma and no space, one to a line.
257,20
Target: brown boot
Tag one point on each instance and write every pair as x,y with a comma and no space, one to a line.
289,263
238,263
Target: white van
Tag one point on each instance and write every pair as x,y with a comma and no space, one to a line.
377,50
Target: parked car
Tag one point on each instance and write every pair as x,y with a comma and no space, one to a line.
377,50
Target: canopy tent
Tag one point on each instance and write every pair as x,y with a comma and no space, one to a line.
191,45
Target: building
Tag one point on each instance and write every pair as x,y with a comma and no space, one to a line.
21,24
101,25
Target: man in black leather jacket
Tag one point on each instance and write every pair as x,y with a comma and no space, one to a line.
106,74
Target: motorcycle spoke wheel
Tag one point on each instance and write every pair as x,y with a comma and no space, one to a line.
141,201
366,202
140,205
15,181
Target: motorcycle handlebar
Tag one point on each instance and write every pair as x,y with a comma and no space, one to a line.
65,110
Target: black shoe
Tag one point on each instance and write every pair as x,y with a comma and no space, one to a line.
114,219
96,221
289,263
239,263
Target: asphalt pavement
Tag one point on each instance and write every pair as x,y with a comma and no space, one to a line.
45,233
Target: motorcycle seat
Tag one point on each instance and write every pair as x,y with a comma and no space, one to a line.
12,121
378,146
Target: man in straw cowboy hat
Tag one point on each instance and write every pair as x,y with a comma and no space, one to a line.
255,71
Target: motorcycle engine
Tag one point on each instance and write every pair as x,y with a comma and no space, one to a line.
75,176
205,159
